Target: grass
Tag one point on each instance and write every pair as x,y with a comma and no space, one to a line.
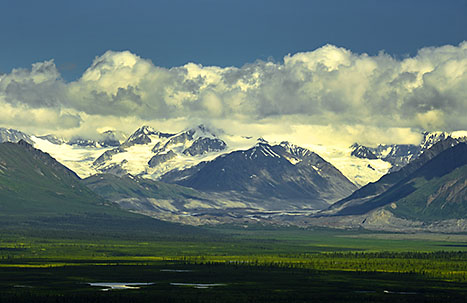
219,241
239,283
256,264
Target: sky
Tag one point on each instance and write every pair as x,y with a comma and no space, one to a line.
334,71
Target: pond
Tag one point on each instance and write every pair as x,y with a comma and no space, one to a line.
197,285
119,285
176,270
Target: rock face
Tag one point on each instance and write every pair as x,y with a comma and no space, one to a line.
142,136
109,138
205,145
161,157
363,152
193,142
83,142
107,155
432,187
265,172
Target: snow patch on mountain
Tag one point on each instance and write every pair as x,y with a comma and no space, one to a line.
431,138
399,155
359,171
151,153
13,135
460,135
75,157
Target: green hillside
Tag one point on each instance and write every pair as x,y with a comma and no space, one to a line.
435,191
33,183
438,189
37,193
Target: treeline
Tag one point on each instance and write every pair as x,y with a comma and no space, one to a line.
444,265
438,255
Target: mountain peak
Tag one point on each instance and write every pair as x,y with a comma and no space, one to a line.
362,152
202,127
142,136
13,135
295,150
265,173
430,138
146,130
201,130
24,143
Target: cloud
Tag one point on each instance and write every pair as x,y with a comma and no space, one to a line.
331,89
37,120
39,87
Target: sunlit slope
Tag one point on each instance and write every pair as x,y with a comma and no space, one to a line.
38,192
435,191
33,183
371,190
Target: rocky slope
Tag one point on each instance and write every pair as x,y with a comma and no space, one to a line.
282,176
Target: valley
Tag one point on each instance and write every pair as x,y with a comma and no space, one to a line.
234,263
233,151
265,223
203,176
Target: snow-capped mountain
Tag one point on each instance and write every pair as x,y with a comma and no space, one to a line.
371,190
106,139
431,138
78,158
282,176
429,193
13,135
399,155
360,171
79,153
151,153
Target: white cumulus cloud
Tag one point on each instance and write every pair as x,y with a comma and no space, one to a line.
330,89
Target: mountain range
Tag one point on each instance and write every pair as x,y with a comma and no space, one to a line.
198,176
152,153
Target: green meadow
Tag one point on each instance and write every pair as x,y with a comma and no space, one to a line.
234,264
